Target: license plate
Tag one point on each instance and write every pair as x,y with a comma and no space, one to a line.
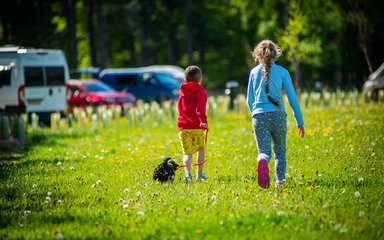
34,102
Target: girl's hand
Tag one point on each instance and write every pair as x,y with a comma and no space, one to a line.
301,131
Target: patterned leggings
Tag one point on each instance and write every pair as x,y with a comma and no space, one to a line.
268,127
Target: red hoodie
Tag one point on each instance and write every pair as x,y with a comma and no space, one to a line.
192,106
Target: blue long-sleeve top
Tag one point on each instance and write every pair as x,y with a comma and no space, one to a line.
279,79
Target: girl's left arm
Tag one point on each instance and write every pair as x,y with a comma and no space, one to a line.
293,100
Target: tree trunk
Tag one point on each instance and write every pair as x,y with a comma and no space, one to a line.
71,23
364,47
100,33
188,31
297,74
173,58
91,31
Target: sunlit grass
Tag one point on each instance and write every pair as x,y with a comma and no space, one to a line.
98,185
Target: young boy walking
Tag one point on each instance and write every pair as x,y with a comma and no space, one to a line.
192,120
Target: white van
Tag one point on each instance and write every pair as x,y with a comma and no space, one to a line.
32,81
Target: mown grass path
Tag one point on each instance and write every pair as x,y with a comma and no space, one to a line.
83,185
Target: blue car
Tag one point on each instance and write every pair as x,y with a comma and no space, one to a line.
145,84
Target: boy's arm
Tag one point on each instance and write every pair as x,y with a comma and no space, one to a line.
201,106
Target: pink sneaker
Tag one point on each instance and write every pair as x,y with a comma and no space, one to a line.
263,174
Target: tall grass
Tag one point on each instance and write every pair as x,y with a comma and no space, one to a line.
87,183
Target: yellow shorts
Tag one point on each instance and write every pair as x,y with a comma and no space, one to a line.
191,140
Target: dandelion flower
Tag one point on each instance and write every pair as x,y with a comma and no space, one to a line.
361,213
357,194
361,179
140,213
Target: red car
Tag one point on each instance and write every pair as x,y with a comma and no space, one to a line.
92,92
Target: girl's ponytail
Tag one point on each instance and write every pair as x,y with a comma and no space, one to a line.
267,52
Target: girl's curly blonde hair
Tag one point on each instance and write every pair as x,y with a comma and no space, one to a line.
266,52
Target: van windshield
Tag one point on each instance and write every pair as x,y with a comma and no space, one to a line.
166,79
98,87
5,75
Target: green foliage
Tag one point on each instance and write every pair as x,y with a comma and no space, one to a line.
331,39
97,185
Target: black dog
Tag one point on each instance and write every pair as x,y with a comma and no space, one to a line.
165,171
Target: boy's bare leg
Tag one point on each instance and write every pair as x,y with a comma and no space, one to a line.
187,160
200,159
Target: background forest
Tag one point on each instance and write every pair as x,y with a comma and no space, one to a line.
336,42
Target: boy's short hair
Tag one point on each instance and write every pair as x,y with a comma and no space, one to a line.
193,73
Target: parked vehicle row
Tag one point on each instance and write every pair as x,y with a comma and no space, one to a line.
38,81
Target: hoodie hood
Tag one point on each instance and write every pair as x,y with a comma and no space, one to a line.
190,88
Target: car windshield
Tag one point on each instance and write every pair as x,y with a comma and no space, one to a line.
166,78
97,87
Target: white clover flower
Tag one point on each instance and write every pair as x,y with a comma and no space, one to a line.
126,190
48,199
125,206
361,213
373,154
331,138
357,194
98,182
59,201
49,193
139,194
214,198
306,147
59,164
84,157
280,213
34,185
71,168
50,149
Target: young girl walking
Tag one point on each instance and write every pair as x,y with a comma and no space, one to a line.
266,83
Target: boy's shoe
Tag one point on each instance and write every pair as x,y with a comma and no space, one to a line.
279,183
201,176
188,178
263,174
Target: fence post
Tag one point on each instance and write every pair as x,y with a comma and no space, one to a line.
5,131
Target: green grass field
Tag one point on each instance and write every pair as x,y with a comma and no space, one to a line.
80,184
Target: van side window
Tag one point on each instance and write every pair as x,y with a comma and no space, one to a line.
126,80
148,79
5,75
55,76
33,76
